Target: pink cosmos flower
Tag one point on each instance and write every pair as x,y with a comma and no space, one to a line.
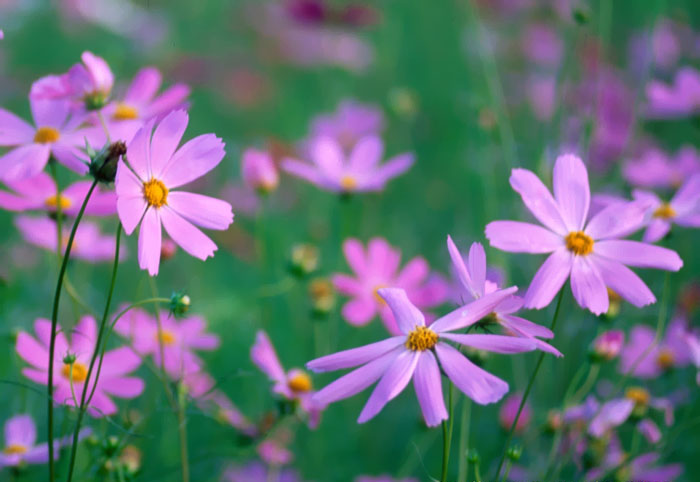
590,253
259,170
383,478
225,411
116,366
57,134
680,99
378,267
642,467
609,344
294,385
350,122
180,338
472,276
258,471
673,351
360,171
541,44
145,195
39,193
89,243
693,342
410,356
654,168
509,410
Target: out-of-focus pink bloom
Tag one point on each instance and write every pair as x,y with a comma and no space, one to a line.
273,450
259,472
116,365
509,410
145,196
693,342
409,356
642,467
541,44
472,277
2,34
57,134
294,385
588,252
39,193
317,12
89,243
382,478
168,249
225,411
359,171
179,337
672,351
259,171
665,44
541,92
608,344
614,118
679,99
350,122
654,168
378,267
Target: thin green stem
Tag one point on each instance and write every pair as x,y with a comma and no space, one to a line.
447,427
54,324
182,430
588,384
83,406
529,386
463,471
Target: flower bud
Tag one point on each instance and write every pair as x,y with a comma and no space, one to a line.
554,421
179,304
322,296
509,410
110,445
607,346
304,259
473,456
168,248
514,452
259,171
131,459
103,164
69,359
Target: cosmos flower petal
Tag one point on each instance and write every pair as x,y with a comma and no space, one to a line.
587,285
188,237
32,351
612,414
204,211
392,168
617,220
688,196
427,382
138,152
13,130
538,199
100,405
194,159
412,274
359,311
304,171
71,157
119,361
83,336
494,343
265,357
20,430
150,241
174,97
472,312
526,326
344,284
407,316
656,230
122,387
571,190
641,255
624,282
549,279
144,86
355,356
477,267
366,153
519,237
165,140
49,113
24,161
328,156
461,269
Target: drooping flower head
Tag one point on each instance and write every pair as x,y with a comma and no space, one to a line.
259,170
145,192
412,356
71,362
590,253
378,267
509,410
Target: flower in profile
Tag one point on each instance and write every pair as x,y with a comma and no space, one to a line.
672,351
360,171
509,410
654,168
350,122
412,356
378,267
607,345
179,337
56,133
89,243
71,362
223,410
259,171
472,277
39,193
294,385
679,99
145,193
590,253
683,209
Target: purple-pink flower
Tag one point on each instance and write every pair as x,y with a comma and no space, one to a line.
509,410
114,377
655,168
145,193
412,356
590,253
259,171
679,99
350,122
378,267
359,171
608,344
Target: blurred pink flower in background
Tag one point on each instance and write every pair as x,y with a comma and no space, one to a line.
350,122
257,471
655,168
116,365
145,195
681,98
379,267
225,411
541,92
541,44
259,171
508,411
383,478
608,344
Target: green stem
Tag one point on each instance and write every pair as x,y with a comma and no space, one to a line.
588,384
464,440
447,435
182,430
54,324
509,464
83,406
161,347
529,386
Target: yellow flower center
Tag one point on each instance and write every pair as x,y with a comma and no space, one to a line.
125,112
15,449
579,243
665,358
348,183
165,337
638,395
76,369
56,200
377,297
665,211
421,338
155,192
300,382
46,135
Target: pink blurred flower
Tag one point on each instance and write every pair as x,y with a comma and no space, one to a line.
116,366
39,193
383,478
608,344
542,45
89,243
654,168
665,44
294,385
259,170
350,122
273,450
179,337
378,267
226,412
640,467
509,410
145,195
541,92
359,171
679,99
409,356
472,277
587,252
257,471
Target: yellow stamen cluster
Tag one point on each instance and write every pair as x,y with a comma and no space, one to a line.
301,382
15,449
155,192
638,395
54,201
665,211
165,337
77,369
665,358
348,183
579,243
46,135
421,338
125,112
